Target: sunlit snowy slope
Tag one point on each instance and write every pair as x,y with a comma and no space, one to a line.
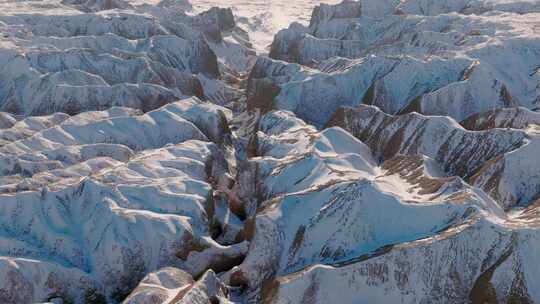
167,151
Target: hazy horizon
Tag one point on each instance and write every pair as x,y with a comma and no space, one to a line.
262,19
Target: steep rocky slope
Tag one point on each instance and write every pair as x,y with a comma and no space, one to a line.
320,197
495,159
172,285
383,152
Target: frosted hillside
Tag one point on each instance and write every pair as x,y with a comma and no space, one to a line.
453,64
201,152
73,57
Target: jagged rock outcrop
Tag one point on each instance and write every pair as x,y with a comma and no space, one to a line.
419,7
514,118
478,90
265,80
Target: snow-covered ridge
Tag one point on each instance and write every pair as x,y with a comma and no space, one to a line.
495,160
399,76
325,205
422,56
459,151
515,118
63,59
109,196
383,152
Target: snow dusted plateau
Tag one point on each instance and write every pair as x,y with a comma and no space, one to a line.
371,151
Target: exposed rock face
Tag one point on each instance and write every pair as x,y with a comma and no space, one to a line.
515,118
477,91
478,262
265,80
458,151
317,239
